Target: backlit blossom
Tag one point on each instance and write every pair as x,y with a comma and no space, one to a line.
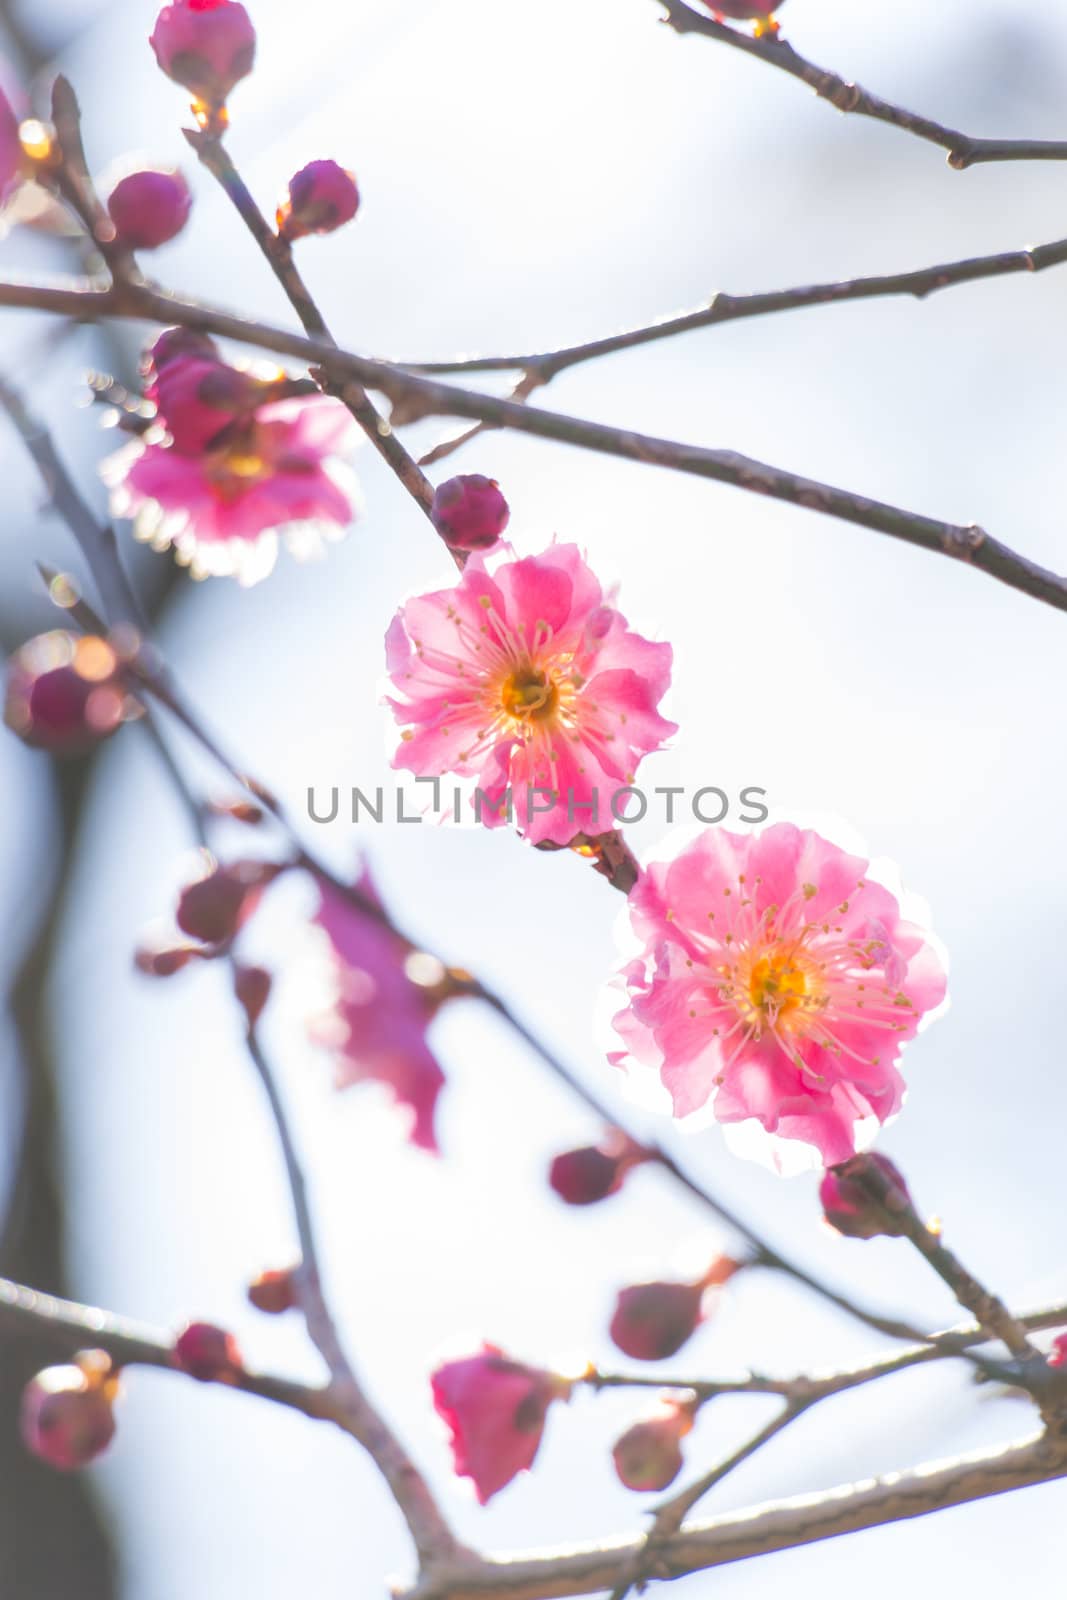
378,1023
495,1409
526,678
778,983
274,474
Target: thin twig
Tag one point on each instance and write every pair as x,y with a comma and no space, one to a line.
963,149
969,544
940,1346
214,156
920,282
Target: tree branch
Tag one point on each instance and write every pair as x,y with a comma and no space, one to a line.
919,282
969,544
963,149
781,1525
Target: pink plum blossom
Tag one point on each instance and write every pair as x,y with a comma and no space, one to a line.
378,1024
526,678
777,983
495,1409
275,473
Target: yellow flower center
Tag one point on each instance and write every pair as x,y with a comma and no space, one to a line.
777,985
529,695
774,986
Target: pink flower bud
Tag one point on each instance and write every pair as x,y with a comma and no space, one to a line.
584,1176
1057,1356
495,1409
10,146
66,1416
649,1455
163,963
149,208
744,10
216,907
198,400
64,693
469,512
172,343
253,986
322,197
208,1353
205,45
860,1212
653,1320
273,1291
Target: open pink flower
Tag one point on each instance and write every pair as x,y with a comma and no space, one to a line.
276,473
778,983
495,1409
526,678
377,1029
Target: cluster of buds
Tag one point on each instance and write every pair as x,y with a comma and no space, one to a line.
652,1321
67,1413
65,693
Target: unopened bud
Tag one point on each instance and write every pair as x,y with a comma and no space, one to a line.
252,986
649,1455
322,197
274,1291
582,1177
866,1198
66,1416
216,907
205,45
64,693
653,1320
208,1353
149,208
469,512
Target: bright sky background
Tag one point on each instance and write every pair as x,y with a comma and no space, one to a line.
532,175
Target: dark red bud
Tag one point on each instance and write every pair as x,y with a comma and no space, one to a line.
866,1198
252,986
274,1291
216,907
653,1320
469,512
648,1457
208,1353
